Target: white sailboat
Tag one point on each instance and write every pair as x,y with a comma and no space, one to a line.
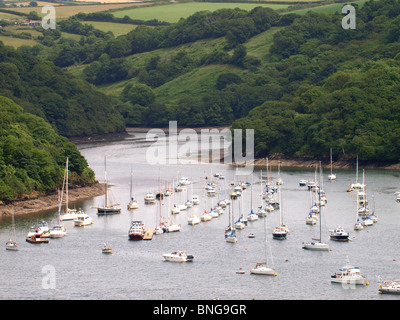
280,232
58,231
107,208
133,204
230,232
70,214
358,225
11,244
252,216
332,176
262,268
316,244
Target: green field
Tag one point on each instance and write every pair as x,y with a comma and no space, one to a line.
116,28
173,12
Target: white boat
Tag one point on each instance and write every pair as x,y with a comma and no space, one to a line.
303,183
149,198
348,275
173,227
338,234
175,210
230,232
195,200
133,204
194,219
222,204
252,216
311,219
331,176
107,209
58,231
106,249
182,207
316,244
188,204
391,287
70,214
83,220
214,213
367,221
281,231
358,225
11,244
178,256
239,224
211,192
184,181
262,269
205,216
41,229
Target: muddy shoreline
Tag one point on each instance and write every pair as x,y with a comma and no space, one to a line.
48,202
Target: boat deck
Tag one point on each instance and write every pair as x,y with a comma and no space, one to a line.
148,235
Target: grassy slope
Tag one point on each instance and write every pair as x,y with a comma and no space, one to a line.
172,13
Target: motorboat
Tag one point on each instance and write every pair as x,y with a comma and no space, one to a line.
58,231
70,214
392,287
279,233
261,268
348,275
367,221
205,216
173,227
211,191
252,235
261,212
136,230
303,183
37,238
11,245
41,229
214,213
188,204
184,181
222,204
133,204
83,220
106,249
195,200
239,224
182,207
358,225
311,219
231,236
194,219
178,256
149,198
175,210
339,234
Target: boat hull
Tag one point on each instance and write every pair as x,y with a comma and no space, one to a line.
348,280
339,238
106,211
263,271
136,236
316,246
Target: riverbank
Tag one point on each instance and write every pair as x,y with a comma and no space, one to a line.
49,202
308,162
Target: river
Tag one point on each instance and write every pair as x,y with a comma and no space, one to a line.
74,267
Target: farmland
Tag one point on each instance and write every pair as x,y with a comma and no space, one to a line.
173,12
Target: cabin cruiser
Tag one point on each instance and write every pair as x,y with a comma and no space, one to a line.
178,256
339,234
348,275
149,198
136,230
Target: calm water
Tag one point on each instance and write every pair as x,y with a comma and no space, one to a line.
137,271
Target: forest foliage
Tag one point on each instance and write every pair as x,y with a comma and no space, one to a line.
33,156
